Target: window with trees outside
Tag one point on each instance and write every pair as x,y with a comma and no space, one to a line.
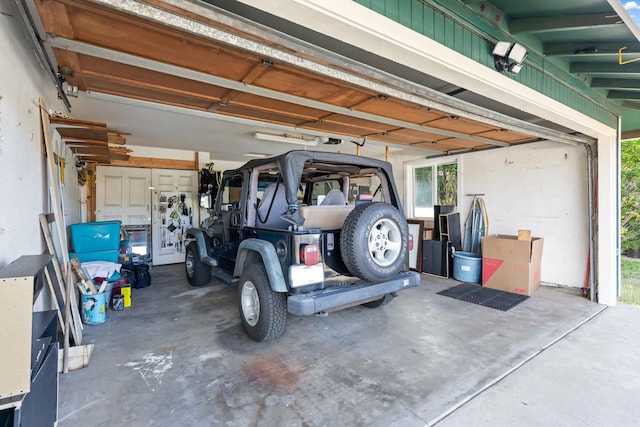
434,184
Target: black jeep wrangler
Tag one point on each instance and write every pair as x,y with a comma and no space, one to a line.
306,232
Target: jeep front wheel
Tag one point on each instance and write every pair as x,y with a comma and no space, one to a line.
374,241
198,273
262,310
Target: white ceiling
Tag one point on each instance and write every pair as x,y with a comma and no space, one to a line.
225,138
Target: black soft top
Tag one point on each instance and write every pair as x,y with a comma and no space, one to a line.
292,163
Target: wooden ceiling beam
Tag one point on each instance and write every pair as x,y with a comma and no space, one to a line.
154,163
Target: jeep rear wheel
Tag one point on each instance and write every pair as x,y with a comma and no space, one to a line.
198,273
374,242
262,310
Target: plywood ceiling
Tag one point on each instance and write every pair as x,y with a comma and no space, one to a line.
380,117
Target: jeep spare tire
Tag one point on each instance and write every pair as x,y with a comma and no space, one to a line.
374,242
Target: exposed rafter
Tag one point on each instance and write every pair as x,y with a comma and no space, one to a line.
605,68
623,94
583,49
563,23
616,83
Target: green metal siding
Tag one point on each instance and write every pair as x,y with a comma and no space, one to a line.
470,39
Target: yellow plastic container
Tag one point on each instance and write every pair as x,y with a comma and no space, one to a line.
126,293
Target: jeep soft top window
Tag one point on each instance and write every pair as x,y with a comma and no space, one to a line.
321,188
365,187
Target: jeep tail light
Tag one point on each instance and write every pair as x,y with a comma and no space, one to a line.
410,242
310,254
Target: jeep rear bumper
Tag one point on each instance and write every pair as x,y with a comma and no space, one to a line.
332,298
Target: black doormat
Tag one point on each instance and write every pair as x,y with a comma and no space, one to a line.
492,298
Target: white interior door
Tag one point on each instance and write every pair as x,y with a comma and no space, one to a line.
123,194
175,209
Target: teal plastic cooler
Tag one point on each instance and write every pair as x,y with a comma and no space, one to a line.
96,236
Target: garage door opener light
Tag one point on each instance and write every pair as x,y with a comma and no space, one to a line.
289,139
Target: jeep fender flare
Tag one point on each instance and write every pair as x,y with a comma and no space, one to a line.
269,258
202,242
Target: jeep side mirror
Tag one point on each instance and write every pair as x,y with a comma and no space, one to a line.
206,201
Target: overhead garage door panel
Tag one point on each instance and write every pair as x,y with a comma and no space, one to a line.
456,144
135,36
458,124
265,116
349,127
304,85
247,100
145,93
414,136
367,126
504,135
396,109
222,69
109,70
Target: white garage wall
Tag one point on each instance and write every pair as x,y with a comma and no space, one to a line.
541,187
22,166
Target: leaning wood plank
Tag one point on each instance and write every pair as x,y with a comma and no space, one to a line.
79,357
54,184
53,296
75,311
62,285
44,221
65,330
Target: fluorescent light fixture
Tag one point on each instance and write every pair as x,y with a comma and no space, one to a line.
509,56
289,139
256,155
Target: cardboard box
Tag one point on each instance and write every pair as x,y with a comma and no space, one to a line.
428,234
511,265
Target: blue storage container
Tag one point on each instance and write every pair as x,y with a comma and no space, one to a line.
111,256
467,267
96,236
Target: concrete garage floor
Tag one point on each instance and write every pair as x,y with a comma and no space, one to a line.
179,357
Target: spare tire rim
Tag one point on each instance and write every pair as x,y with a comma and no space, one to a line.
385,242
250,303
